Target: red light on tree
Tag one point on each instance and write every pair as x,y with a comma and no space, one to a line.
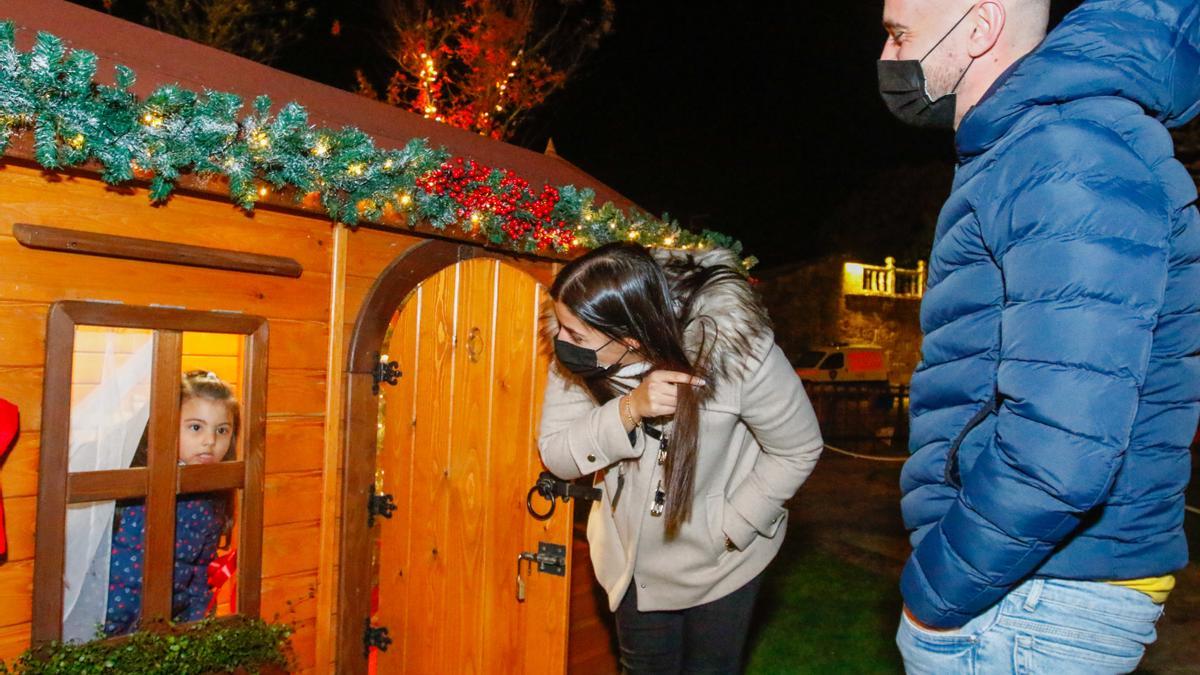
484,65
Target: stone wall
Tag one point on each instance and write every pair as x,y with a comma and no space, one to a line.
809,309
804,303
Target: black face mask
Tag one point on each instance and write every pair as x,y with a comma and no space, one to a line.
582,361
902,86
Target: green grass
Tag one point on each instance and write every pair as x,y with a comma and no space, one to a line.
818,614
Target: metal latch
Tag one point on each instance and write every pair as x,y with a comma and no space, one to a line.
379,504
550,559
375,637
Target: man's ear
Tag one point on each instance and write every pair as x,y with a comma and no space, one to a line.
987,22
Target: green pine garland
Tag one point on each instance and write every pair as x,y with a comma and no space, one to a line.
52,91
209,646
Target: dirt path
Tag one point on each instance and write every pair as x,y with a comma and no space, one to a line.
850,508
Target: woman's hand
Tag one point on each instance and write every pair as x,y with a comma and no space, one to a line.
658,394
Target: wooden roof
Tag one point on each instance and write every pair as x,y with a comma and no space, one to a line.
159,58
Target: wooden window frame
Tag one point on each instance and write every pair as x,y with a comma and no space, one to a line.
159,482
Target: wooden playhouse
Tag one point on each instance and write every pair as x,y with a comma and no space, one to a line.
303,316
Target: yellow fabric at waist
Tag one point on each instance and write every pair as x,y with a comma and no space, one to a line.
1158,588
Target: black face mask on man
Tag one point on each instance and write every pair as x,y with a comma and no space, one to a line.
903,88
583,361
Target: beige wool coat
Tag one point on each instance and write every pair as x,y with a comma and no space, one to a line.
758,438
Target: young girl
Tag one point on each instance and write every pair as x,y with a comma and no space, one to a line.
698,430
208,424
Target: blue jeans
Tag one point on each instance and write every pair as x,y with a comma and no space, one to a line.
1050,626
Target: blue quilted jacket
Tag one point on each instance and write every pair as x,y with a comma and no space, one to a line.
1060,380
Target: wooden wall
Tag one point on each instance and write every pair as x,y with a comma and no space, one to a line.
306,362
298,312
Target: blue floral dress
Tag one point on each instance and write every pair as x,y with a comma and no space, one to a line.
199,522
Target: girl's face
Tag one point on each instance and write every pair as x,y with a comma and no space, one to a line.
572,329
205,431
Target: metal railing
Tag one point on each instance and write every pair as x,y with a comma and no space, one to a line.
865,416
886,281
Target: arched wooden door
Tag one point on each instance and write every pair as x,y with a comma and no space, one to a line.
458,453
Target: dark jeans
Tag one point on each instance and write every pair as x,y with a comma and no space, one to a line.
708,638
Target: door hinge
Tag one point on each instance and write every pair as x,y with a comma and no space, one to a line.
385,372
379,504
375,637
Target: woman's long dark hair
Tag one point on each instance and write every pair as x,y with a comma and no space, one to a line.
621,291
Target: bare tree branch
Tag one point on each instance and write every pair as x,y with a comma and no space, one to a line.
256,29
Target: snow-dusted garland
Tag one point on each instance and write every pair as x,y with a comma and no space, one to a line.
51,90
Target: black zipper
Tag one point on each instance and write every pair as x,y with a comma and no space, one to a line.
953,476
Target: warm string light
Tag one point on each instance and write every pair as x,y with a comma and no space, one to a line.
496,201
16,120
259,140
502,85
427,78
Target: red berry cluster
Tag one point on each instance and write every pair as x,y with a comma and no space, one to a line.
519,211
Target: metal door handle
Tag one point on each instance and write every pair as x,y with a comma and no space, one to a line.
474,344
550,486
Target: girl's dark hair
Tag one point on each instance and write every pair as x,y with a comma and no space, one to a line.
203,384
621,291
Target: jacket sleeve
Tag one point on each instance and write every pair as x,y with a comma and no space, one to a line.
578,437
778,413
1079,227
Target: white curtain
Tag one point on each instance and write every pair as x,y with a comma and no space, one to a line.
105,429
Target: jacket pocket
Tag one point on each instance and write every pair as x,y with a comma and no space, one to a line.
714,511
953,477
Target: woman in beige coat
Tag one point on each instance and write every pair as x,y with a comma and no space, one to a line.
669,388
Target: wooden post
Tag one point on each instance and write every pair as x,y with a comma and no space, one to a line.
163,463
335,387
52,477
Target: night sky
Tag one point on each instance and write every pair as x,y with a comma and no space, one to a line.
758,119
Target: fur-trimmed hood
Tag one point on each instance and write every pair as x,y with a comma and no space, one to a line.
726,323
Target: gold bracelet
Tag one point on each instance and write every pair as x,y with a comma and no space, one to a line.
627,406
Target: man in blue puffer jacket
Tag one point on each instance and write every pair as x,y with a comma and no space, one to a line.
1060,380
